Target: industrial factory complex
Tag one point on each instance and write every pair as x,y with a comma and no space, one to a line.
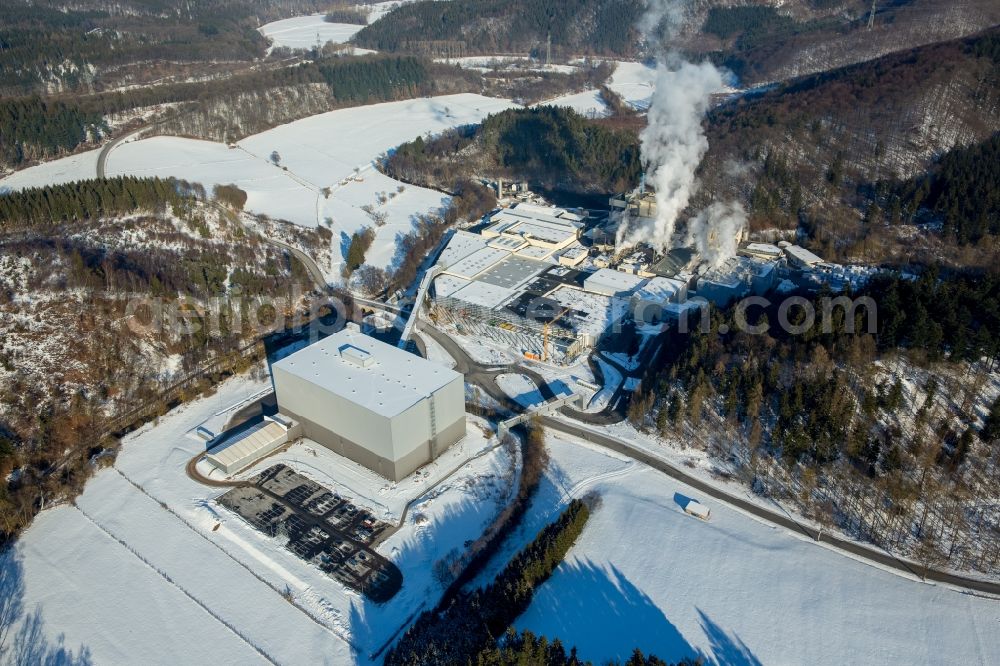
547,282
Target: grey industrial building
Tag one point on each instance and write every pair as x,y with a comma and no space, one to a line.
370,402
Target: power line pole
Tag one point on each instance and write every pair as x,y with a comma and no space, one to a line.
871,16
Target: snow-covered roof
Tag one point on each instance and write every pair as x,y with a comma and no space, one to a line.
243,445
609,282
764,249
534,252
368,372
507,243
446,285
477,262
803,255
544,231
574,251
484,294
461,245
660,289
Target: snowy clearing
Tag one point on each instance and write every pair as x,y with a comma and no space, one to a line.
57,172
734,590
332,152
587,103
634,81
521,389
304,32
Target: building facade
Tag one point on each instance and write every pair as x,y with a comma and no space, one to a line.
377,405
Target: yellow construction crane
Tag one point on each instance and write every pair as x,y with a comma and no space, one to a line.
545,333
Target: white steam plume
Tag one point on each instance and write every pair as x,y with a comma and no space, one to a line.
714,232
674,143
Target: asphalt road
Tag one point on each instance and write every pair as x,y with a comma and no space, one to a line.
485,378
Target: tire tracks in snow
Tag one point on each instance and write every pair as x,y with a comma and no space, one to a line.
236,632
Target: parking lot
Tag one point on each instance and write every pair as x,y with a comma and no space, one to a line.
321,526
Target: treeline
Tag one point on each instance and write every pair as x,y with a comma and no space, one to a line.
962,190
760,380
950,316
32,128
467,627
534,460
525,648
551,146
350,14
91,44
469,27
375,79
360,242
86,200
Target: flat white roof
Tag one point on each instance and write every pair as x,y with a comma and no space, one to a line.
610,279
660,289
534,252
446,285
484,294
574,251
803,255
477,262
507,243
247,443
543,231
391,383
764,248
599,311
461,245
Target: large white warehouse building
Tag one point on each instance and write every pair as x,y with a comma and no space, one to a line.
380,406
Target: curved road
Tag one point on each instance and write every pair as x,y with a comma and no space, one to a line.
485,378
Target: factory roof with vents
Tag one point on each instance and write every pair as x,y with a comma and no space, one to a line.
379,377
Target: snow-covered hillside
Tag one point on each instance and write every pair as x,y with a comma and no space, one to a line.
329,153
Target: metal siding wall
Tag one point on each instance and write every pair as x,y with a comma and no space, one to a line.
334,413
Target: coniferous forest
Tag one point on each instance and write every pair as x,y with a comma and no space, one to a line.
549,146
468,27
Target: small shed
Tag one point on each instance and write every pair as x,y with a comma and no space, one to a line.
698,510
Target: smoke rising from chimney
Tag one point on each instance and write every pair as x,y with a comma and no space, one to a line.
674,143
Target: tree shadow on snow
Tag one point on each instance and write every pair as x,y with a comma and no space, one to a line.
23,639
345,244
725,649
602,613
374,626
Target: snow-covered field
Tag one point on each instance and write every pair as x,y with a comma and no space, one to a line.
303,32
65,170
632,80
520,388
587,103
737,591
334,151
148,569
